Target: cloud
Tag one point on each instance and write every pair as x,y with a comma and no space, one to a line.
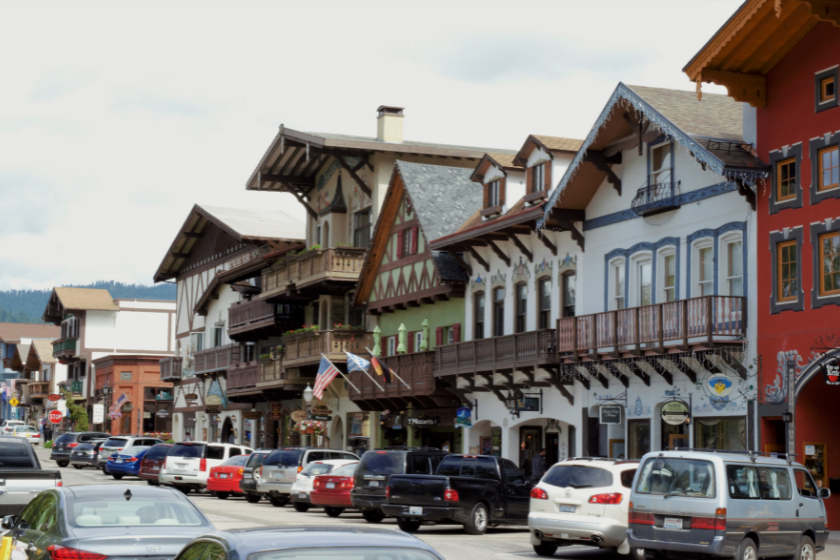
132,102
59,83
29,202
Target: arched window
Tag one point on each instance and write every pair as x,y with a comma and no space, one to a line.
544,303
498,312
521,307
478,316
568,286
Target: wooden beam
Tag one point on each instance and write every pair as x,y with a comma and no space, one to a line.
639,128
180,255
576,235
495,236
686,369
666,375
747,88
602,163
499,252
557,384
457,258
639,372
311,211
706,363
735,364
193,235
287,179
478,258
596,373
547,242
598,156
618,374
412,303
353,174
745,191
522,248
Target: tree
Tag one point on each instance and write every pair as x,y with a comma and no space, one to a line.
78,414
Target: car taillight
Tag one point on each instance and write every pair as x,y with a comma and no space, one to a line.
241,471
716,523
638,518
72,444
316,484
348,483
610,499
58,552
539,494
58,483
300,469
450,495
202,466
132,460
261,472
387,492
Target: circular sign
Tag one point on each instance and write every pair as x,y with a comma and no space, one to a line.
298,415
831,369
14,402
191,397
720,385
674,413
56,416
54,397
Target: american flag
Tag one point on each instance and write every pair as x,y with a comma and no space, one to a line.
326,373
118,403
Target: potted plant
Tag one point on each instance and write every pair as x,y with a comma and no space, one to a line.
265,359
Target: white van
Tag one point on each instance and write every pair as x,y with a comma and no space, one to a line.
187,466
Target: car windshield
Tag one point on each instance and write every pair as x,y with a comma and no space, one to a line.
14,454
284,458
65,438
115,442
381,462
237,461
346,470
85,446
256,460
345,553
314,469
673,476
188,450
578,476
135,450
157,452
134,512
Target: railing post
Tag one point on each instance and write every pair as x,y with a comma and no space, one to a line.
709,319
660,314
575,336
613,315
637,332
684,311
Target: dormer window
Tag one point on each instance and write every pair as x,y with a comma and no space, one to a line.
494,197
494,193
538,178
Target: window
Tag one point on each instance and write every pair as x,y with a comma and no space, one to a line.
689,478
829,264
125,376
786,179
706,278
828,89
521,308
805,484
538,178
829,172
392,345
418,340
479,316
361,228
196,342
544,303
660,164
787,290
569,293
218,336
618,286
494,194
645,271
669,273
317,235
406,241
578,476
735,267
420,465
498,312
721,433
450,335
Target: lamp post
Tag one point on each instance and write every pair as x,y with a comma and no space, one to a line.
307,399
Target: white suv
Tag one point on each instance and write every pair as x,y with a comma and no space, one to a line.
187,466
582,501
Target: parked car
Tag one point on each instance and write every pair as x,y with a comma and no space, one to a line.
115,444
332,491
98,522
473,490
251,471
582,501
188,463
375,469
312,542
8,425
126,462
224,479
28,432
741,506
282,466
303,483
86,454
22,474
152,463
64,444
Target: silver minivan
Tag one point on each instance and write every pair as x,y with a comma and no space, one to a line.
282,466
725,504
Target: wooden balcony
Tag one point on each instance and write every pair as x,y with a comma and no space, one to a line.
417,370
71,328
219,358
255,319
64,348
697,322
243,378
170,368
305,349
312,273
39,389
522,351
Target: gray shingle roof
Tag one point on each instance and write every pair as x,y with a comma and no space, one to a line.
448,269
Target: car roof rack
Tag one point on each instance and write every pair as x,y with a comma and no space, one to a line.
589,459
789,457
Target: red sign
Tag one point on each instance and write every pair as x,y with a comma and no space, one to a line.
54,397
56,417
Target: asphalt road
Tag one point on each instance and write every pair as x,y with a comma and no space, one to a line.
449,540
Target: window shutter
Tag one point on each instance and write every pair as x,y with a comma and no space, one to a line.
502,189
547,174
439,336
457,330
400,243
410,342
414,240
486,196
529,180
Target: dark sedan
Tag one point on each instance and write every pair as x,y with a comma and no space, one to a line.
97,522
86,454
309,543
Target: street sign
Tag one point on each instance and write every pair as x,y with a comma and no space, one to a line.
54,397
56,416
98,413
15,394
14,402
298,415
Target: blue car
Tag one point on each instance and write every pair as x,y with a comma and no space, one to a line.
126,462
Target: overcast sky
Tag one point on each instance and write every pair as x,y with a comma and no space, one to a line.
117,117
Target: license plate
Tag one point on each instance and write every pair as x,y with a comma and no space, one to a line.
673,523
374,484
248,475
119,460
330,485
155,468
223,476
415,511
301,495
566,509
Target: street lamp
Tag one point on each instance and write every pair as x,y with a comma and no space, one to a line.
307,398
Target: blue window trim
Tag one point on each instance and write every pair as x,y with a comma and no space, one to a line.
627,254
715,234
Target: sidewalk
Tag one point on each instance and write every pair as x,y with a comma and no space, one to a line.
832,547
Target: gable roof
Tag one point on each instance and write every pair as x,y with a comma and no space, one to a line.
553,144
85,299
20,356
505,162
711,131
11,333
43,351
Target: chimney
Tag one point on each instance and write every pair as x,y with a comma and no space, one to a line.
389,124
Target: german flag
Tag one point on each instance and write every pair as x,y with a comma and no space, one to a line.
381,369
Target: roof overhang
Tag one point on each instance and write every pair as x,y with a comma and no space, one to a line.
484,165
531,143
752,41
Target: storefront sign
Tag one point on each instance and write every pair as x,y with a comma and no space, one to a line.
322,417
674,413
252,414
321,410
610,414
191,397
463,417
422,422
276,411
720,385
162,413
831,370
528,404
54,397
213,408
98,413
298,415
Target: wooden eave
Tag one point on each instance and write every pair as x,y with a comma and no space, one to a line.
54,312
752,42
484,166
210,294
532,142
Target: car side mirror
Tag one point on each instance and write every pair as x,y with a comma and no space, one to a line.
8,522
825,493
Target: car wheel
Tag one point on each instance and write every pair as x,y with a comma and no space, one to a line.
408,526
748,550
545,549
301,507
117,476
278,502
252,498
478,520
373,516
333,511
62,464
805,550
152,483
222,495
105,469
637,554
77,467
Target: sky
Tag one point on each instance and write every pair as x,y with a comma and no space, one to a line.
117,117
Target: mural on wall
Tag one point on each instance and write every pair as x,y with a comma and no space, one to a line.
567,263
479,284
521,273
639,409
543,269
498,280
824,359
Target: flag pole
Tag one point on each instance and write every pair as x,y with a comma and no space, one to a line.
381,388
407,386
341,374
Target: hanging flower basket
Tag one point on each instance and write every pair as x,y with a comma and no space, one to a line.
311,427
115,415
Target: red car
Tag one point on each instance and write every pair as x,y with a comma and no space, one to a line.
224,479
152,462
332,491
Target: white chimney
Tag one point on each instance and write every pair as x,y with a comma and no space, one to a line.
389,124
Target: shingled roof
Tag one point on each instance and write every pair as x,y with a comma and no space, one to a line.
11,333
87,299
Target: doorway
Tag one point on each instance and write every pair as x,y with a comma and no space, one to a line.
227,431
552,448
530,442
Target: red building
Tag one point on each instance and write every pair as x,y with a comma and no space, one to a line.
781,57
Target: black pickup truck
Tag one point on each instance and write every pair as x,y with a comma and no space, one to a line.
473,490
21,475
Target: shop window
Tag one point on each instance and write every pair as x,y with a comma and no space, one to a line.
786,180
721,433
829,263
638,431
829,168
787,266
521,307
498,312
661,164
361,228
478,311
544,303
825,89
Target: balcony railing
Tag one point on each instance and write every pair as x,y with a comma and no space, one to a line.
74,386
497,353
64,348
39,389
243,378
416,369
70,328
170,368
257,315
696,320
340,263
216,359
271,370
306,348
656,198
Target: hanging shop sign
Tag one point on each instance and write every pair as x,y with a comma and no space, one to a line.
674,413
54,397
422,422
831,370
276,411
213,400
98,413
252,414
298,415
163,413
191,397
528,404
463,417
213,408
321,410
720,385
610,414
322,417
